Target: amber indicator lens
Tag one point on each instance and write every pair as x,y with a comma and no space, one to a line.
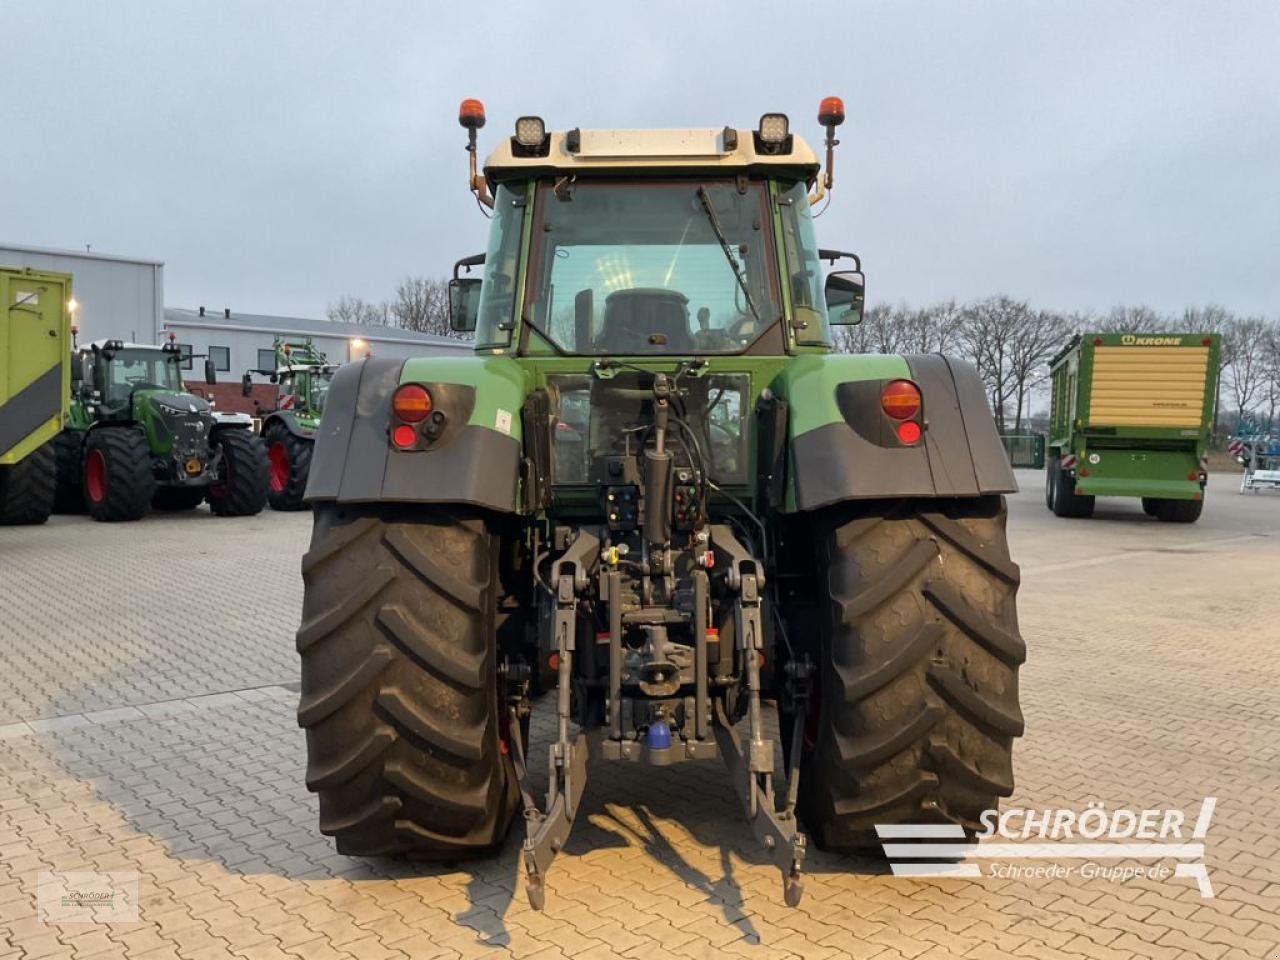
900,399
412,403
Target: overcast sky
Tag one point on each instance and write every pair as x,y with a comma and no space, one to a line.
277,156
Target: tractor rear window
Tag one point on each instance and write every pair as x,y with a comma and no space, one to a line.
652,268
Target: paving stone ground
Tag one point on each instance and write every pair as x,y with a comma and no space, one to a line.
147,726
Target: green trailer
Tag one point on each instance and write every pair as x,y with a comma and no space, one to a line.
35,377
1131,416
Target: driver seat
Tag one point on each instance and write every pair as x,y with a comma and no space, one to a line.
633,318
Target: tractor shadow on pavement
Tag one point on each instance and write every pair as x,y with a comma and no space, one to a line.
226,785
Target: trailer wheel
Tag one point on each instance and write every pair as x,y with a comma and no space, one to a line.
290,462
918,671
240,488
1066,502
1149,506
26,488
406,736
1178,511
117,479
1051,471
68,454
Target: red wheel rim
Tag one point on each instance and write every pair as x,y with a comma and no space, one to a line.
279,458
95,476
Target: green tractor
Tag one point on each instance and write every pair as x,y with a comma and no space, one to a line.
656,481
302,374
138,439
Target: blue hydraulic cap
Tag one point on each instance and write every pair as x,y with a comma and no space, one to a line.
658,737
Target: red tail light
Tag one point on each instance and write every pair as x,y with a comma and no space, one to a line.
909,432
404,436
412,403
900,399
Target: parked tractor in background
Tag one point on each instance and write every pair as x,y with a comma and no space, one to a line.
138,439
1131,416
35,375
302,374
657,479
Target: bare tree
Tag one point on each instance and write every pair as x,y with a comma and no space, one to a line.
1033,341
348,309
1244,364
986,339
422,304
1129,319
1270,393
931,329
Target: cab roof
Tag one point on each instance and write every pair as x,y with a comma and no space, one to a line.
726,151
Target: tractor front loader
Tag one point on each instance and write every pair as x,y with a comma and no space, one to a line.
656,489
302,376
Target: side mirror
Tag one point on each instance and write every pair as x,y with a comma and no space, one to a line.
77,370
246,386
210,373
464,303
845,293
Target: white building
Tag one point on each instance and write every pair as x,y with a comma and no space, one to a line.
237,342
120,297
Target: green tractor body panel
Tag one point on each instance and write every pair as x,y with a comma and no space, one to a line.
35,352
1132,413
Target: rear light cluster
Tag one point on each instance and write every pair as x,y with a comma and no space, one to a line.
901,401
418,422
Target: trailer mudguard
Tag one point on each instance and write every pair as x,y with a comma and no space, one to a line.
842,446
475,460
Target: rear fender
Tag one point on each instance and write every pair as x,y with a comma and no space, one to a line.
475,460
288,420
841,447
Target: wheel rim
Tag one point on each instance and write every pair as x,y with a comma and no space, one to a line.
95,476
279,458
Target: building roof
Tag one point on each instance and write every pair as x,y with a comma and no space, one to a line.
726,150
78,254
305,326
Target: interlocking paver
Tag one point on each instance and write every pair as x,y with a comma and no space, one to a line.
175,753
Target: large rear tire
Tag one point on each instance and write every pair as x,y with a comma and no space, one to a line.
27,487
240,489
405,739
918,702
290,462
116,477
